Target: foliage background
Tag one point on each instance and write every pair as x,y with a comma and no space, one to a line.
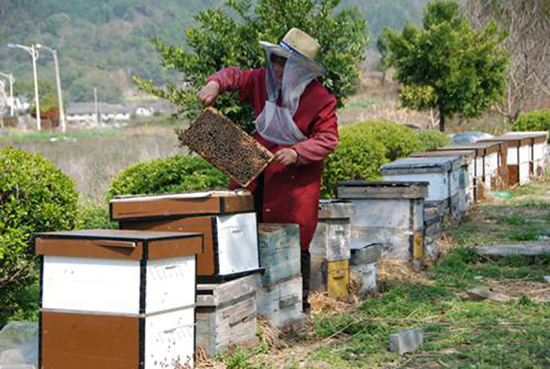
103,43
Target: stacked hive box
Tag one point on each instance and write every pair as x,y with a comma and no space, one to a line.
228,223
330,248
117,299
517,157
363,267
527,146
280,296
226,314
226,219
490,170
442,173
388,213
466,175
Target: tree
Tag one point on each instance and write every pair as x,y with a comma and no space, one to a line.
448,66
528,44
47,93
221,39
382,46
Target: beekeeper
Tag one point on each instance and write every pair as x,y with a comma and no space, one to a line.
295,120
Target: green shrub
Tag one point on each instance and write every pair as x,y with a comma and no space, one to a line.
358,156
35,196
177,174
536,120
431,140
95,216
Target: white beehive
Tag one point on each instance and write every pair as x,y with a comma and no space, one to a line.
390,213
112,298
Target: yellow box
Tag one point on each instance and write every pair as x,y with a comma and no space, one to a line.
338,278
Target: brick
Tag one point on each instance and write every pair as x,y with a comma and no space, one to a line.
406,341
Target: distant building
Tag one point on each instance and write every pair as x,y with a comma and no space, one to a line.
85,113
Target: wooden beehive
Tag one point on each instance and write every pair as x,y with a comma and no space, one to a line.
226,219
279,247
466,175
280,296
390,213
226,314
490,163
331,241
226,146
113,299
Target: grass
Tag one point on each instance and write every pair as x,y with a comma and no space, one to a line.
19,136
458,332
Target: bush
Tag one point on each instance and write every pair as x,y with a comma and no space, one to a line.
358,156
95,216
177,174
364,147
35,196
536,120
431,140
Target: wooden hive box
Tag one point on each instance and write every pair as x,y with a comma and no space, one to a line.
281,302
363,265
227,314
490,168
441,172
279,252
117,299
226,219
390,213
226,146
538,147
466,175
280,296
517,157
331,241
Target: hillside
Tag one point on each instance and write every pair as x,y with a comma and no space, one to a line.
103,43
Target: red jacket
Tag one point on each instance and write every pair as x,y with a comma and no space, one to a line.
291,193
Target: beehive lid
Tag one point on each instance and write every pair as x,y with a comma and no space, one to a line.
364,251
481,147
179,205
118,244
466,156
510,140
382,190
421,165
226,146
335,209
536,136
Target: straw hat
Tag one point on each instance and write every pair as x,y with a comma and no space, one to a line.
301,46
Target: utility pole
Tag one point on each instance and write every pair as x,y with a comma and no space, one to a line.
10,78
97,118
62,120
34,54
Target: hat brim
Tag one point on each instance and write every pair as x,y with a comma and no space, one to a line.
303,60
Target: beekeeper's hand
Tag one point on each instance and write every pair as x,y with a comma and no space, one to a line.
286,156
209,93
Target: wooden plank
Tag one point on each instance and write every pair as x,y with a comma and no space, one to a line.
215,294
522,249
82,248
87,341
234,324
